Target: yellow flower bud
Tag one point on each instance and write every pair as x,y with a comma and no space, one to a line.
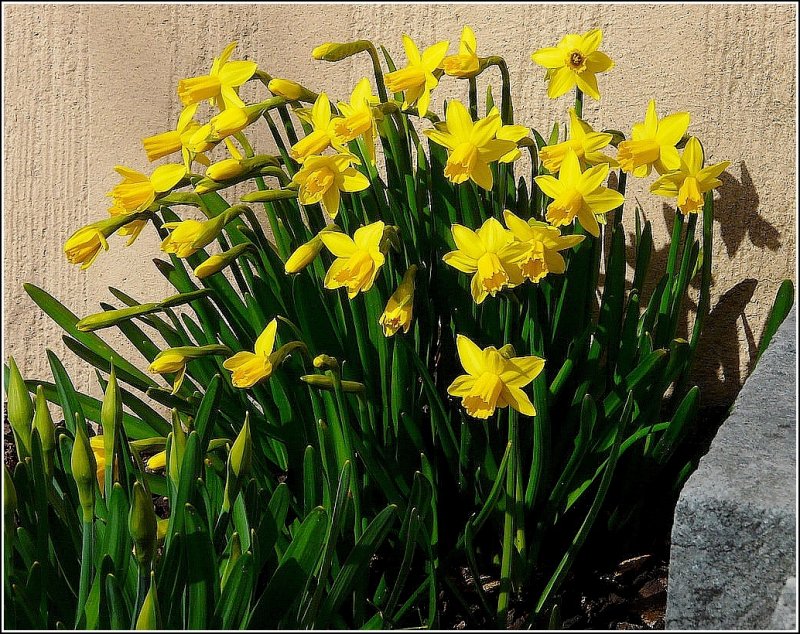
325,362
335,51
150,615
239,462
43,423
84,246
219,261
304,255
225,169
19,410
142,525
84,469
398,312
291,90
240,458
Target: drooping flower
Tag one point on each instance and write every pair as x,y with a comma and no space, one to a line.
84,246
359,117
417,80
323,135
471,146
249,368
578,194
322,178
583,140
544,243
692,180
490,255
466,63
494,379
399,308
219,85
574,62
358,259
653,142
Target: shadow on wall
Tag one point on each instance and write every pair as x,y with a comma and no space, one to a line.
717,369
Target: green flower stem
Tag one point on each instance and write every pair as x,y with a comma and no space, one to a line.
508,525
87,565
506,109
141,592
376,68
473,97
579,103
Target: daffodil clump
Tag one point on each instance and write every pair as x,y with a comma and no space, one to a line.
441,381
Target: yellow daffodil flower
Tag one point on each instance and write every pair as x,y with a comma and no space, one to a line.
692,180
578,194
585,142
490,254
493,379
471,146
653,142
359,117
177,140
249,368
358,259
322,178
514,133
322,137
574,62
466,63
399,308
138,191
99,451
417,80
219,85
84,246
544,243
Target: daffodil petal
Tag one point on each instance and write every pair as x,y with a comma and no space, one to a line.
340,244
266,340
561,82
672,127
470,355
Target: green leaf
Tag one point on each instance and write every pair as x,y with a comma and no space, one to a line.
784,299
203,582
285,588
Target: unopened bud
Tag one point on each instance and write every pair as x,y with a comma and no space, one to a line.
43,423
326,383
215,263
326,362
239,462
291,90
19,409
143,525
111,419
336,51
84,469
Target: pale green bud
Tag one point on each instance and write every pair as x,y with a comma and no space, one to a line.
336,51
111,419
20,410
326,383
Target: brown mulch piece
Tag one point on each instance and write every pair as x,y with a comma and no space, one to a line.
630,596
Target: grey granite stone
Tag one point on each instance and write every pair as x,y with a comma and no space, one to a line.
733,539
785,615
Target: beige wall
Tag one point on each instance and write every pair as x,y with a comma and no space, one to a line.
83,84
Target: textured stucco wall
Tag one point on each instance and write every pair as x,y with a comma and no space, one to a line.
83,84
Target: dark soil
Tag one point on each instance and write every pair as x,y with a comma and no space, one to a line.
9,452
